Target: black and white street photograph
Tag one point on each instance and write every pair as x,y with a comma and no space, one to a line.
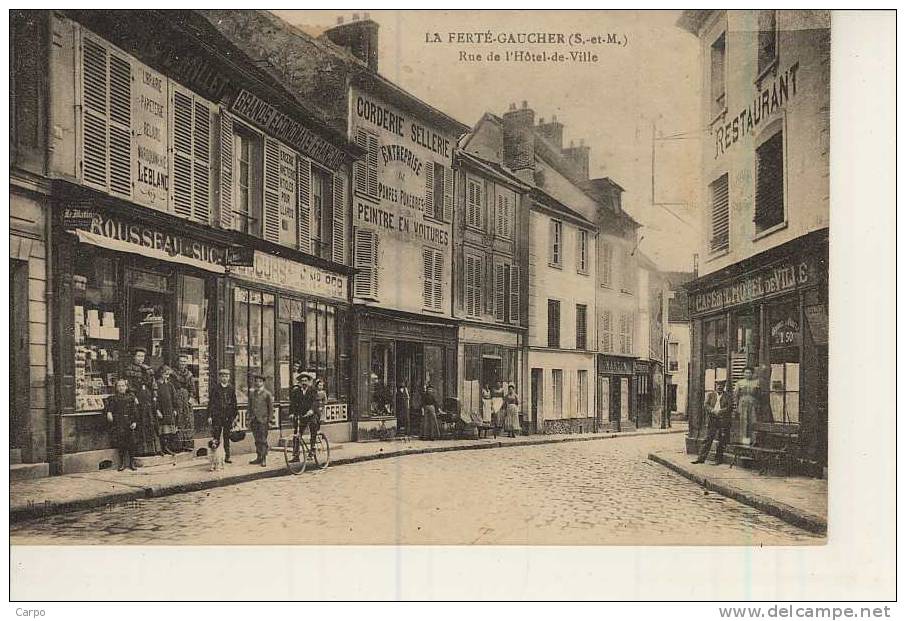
426,278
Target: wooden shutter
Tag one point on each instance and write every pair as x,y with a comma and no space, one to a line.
581,326
769,185
106,151
720,214
225,215
499,292
181,162
201,181
606,331
448,195
373,148
427,276
339,218
365,260
360,167
498,216
514,293
190,164
606,263
438,281
429,188
303,194
271,190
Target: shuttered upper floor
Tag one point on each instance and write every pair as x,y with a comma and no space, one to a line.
121,127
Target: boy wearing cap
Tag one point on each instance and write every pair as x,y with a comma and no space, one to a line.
261,406
222,411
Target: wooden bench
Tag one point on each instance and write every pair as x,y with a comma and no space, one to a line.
774,445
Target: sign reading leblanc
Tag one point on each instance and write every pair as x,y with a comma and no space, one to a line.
769,282
280,125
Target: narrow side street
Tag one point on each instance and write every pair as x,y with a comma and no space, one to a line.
581,493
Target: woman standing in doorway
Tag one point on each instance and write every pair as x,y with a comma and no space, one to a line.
430,427
746,396
511,406
184,384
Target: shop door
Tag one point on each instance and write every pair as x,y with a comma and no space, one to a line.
603,398
624,398
297,339
537,387
150,322
490,371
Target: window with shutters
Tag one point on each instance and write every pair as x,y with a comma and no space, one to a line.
581,326
474,204
720,213
366,253
473,276
515,284
769,211
582,251
365,170
247,190
605,261
190,165
627,273
553,323
605,331
321,213
106,106
338,231
556,243
432,274
767,40
504,213
626,330
718,81
438,192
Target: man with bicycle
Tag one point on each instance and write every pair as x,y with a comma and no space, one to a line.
302,410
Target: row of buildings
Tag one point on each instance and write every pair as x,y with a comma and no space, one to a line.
221,187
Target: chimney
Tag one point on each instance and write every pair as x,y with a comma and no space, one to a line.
552,131
519,141
578,157
360,37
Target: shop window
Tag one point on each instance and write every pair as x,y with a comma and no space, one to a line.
254,339
247,154
715,351
769,211
474,204
581,326
321,213
605,263
718,84
557,380
149,314
193,334
745,343
582,252
473,267
553,323
785,338
432,279
767,39
320,344
434,370
365,170
556,243
720,213
382,378
471,397
605,330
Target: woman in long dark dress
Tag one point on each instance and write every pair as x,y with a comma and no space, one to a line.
166,410
430,427
184,383
122,412
141,386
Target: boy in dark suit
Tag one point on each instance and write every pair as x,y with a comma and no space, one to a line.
222,411
718,405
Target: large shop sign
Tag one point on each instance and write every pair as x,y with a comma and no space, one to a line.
764,284
298,277
621,366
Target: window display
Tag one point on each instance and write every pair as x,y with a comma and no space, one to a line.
253,338
193,334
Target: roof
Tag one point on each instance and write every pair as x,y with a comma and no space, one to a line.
693,20
493,169
544,199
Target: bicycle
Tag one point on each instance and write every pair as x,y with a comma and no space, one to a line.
298,452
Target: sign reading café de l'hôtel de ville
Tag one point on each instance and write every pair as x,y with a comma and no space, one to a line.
404,196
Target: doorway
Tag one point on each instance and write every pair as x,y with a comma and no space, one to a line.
537,398
624,399
490,371
149,314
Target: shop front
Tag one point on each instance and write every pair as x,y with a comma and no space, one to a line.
768,314
488,359
615,392
397,357
121,283
285,314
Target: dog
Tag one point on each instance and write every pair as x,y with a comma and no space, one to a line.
216,453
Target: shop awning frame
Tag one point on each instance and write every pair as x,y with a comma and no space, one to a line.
86,237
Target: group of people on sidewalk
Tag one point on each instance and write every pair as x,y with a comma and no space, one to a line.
501,410
150,411
719,407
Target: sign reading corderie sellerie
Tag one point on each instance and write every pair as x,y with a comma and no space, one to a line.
295,276
265,116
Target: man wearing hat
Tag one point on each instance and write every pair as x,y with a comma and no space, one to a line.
222,411
302,403
261,406
718,405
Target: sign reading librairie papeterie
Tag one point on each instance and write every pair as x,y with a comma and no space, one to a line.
150,127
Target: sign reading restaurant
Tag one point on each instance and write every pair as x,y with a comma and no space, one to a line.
763,284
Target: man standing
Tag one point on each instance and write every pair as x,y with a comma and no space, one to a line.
261,406
222,411
717,408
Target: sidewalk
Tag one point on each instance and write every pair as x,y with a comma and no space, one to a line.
37,498
801,501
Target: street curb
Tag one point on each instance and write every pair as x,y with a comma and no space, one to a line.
38,511
791,515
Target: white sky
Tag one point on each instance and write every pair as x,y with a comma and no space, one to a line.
610,103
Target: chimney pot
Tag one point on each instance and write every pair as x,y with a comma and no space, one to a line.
512,106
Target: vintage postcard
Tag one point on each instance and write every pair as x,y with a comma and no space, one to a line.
394,278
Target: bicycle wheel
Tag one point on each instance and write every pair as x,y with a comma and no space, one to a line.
321,451
294,454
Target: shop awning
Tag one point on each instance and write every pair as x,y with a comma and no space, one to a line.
100,241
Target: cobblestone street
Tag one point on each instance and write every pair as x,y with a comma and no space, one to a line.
598,492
